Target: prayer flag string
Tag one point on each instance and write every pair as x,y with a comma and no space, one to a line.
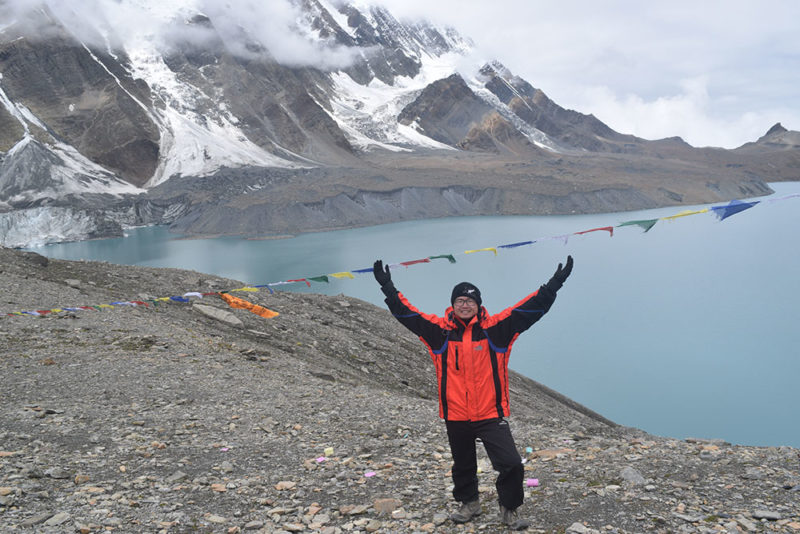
722,212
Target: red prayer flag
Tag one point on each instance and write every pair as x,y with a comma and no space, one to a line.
413,262
609,229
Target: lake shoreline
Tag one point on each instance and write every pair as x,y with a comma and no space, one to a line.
626,340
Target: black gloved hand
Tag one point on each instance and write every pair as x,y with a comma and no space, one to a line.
561,275
382,275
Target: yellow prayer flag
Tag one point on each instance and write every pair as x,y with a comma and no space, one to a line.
344,274
684,214
247,289
492,249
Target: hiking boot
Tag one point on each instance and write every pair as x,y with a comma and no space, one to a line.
511,519
467,511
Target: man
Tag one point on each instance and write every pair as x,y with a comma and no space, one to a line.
470,350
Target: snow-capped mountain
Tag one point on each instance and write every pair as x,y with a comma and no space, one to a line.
189,94
106,102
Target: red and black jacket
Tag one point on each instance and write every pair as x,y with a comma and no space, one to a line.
471,359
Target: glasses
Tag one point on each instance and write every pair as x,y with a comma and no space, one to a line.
465,302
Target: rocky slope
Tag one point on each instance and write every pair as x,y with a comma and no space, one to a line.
164,419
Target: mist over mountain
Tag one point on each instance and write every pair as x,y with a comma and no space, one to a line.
279,117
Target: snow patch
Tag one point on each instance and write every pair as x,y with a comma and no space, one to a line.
13,109
73,174
413,134
36,227
194,142
368,113
339,18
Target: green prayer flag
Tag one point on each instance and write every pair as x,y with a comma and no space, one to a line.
448,257
322,278
645,224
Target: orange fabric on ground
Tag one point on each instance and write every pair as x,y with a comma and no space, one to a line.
235,302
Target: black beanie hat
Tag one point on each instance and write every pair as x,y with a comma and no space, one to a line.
465,289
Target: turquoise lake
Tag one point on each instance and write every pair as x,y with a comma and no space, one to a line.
688,330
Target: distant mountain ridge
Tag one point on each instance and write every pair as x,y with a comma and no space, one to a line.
93,119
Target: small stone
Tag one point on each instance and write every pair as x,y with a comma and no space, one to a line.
175,477
358,510
37,519
58,519
709,455
753,474
313,509
220,488
632,476
577,528
746,524
81,479
5,490
321,519
386,506
294,527
57,473
216,519
374,525
689,518
285,485
218,315
769,515
254,525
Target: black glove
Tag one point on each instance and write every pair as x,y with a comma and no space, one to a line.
561,275
382,275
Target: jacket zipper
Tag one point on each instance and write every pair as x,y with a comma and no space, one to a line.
456,357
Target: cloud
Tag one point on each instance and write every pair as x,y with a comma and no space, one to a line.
685,114
280,27
716,73
277,25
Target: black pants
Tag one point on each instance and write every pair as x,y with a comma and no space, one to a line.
499,444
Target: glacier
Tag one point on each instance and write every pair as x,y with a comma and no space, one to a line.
36,227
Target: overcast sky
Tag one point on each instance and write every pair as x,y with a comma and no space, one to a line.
716,73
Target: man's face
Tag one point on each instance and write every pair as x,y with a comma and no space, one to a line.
465,308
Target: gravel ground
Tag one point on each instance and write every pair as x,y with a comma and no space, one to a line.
164,419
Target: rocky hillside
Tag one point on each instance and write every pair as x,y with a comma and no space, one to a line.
192,417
